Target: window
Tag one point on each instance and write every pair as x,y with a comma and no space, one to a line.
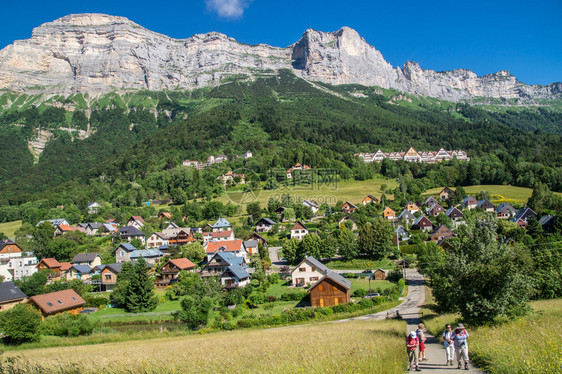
50,304
73,298
107,277
320,288
60,302
313,279
313,268
302,269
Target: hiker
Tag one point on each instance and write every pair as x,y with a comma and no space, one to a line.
461,346
449,345
412,346
422,339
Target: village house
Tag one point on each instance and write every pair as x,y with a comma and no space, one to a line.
236,247
423,223
106,229
389,214
469,203
486,206
10,295
165,215
58,302
218,236
411,155
370,199
505,211
90,259
135,221
251,247
169,272
56,268
332,289
296,167
123,252
157,239
380,274
129,233
151,256
92,228
235,276
222,225
264,225
81,272
18,266
446,193
412,207
93,207
9,249
109,274
547,222
55,222
348,207
232,178
63,229
435,210
406,217
400,233
308,271
279,211
455,215
258,238
219,263
522,216
430,201
441,232
313,205
342,223
299,231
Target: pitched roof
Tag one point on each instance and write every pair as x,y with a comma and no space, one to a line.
228,257
422,220
130,231
225,245
183,263
115,268
219,234
160,235
547,219
83,269
58,301
51,263
299,226
126,246
137,218
454,211
314,262
370,197
237,271
9,291
256,235
266,221
166,214
67,228
485,204
469,200
523,214
406,214
429,200
250,243
441,229
64,266
335,277
85,257
503,206
146,253
8,246
388,210
221,222
350,204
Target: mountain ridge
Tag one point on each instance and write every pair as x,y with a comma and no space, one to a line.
98,53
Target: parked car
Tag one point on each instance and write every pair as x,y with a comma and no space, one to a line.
371,295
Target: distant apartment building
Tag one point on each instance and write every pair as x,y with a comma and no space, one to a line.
411,155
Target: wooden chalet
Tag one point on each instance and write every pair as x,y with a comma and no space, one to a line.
446,193
332,289
441,232
169,272
423,223
389,214
380,274
348,207
370,199
435,210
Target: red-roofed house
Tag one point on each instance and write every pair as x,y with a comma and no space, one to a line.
218,236
49,264
234,246
59,301
135,221
296,167
63,229
169,272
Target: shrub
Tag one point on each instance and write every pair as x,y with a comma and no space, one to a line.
67,324
255,299
351,275
359,293
20,324
268,306
273,278
96,301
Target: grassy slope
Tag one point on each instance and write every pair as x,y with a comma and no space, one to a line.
524,345
353,191
500,193
358,346
9,228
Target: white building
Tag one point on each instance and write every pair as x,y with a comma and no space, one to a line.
15,268
308,272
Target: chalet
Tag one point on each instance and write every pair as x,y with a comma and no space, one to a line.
348,207
19,266
522,216
547,222
308,271
221,225
430,201
258,238
218,236
50,264
9,249
412,207
296,167
455,214
92,228
423,223
236,247
332,289
299,231
235,276
389,214
313,205
505,211
135,221
93,207
123,252
169,272
106,229
183,236
63,229
80,272
109,274
441,232
486,206
129,233
406,217
380,274
446,193
251,246
151,256
10,295
165,215
412,155
233,178
219,261
170,226
55,222
435,210
157,239
90,259
370,199
279,211
400,233
264,225
469,203
59,301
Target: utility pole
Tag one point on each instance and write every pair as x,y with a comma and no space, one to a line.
403,258
370,296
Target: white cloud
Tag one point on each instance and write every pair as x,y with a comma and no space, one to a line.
228,8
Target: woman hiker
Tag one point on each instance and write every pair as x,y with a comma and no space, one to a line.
412,346
422,339
449,345
461,346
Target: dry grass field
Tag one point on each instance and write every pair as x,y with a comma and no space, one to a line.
352,347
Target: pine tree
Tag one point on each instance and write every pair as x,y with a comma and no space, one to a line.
140,291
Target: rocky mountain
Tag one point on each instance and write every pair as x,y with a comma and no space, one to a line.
98,53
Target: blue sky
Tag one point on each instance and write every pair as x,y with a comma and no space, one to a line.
524,37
